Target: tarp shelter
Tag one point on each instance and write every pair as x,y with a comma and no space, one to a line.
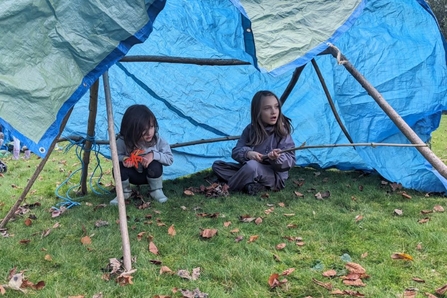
52,52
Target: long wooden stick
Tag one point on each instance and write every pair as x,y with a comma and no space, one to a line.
117,175
394,116
36,174
93,107
303,146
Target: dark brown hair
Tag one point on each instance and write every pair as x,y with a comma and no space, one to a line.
136,120
282,127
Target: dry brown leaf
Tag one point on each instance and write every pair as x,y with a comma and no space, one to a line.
298,194
208,233
234,231
227,224
86,240
48,258
28,222
426,211
419,246
410,293
358,218
442,290
300,243
195,273
438,208
152,248
165,269
424,220
430,295
292,226
354,283
140,235
355,268
327,286
288,271
417,279
280,246
188,192
239,239
171,230
289,214
364,255
253,238
273,280
330,273
402,256
258,221
398,212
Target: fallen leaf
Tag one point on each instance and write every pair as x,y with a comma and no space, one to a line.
280,246
364,255
298,194
239,239
330,273
48,258
424,220
442,290
417,279
410,293
165,269
288,271
327,286
208,233
258,221
227,224
184,274
140,235
438,208
195,273
171,230
402,256
358,218
28,222
273,280
398,212
152,248
253,238
355,268
354,283
188,192
86,240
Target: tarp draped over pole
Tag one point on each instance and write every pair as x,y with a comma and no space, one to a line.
396,45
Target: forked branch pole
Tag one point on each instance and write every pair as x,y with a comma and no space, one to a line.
394,116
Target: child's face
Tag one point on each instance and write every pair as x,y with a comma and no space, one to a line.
269,110
148,134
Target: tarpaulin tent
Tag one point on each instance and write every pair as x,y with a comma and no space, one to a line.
51,56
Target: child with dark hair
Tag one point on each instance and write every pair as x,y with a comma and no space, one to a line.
260,164
142,152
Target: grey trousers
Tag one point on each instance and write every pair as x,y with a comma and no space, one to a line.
238,175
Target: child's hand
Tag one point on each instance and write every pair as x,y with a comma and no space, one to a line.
127,163
147,159
274,154
254,156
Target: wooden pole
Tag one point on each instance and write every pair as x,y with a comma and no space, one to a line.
117,175
93,107
36,174
394,116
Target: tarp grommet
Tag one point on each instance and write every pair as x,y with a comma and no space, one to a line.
42,150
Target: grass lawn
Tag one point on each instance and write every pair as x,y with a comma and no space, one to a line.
362,239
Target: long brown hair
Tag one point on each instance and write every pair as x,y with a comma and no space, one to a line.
283,125
136,120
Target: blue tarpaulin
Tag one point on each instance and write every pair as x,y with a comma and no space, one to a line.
395,44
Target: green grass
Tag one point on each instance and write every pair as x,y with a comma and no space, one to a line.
328,228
